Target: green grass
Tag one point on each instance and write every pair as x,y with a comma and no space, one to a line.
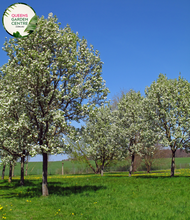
113,196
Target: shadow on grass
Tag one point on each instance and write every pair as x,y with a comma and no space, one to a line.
162,177
4,185
144,176
58,189
31,189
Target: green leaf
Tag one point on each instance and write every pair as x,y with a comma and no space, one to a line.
34,20
17,34
32,24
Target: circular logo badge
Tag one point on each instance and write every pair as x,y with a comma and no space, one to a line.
19,20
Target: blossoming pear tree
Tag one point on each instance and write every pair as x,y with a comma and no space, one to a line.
8,159
149,141
59,78
132,129
101,146
15,135
167,107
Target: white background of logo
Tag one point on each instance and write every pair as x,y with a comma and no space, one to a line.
16,9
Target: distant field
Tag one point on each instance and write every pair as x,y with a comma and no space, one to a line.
55,167
165,163
143,196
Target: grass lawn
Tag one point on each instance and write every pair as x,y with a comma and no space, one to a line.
113,196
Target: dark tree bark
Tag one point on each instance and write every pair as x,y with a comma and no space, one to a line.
22,170
26,171
102,166
132,164
148,163
148,168
10,173
173,163
44,177
3,172
98,170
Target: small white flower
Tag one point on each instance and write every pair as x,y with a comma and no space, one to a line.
50,15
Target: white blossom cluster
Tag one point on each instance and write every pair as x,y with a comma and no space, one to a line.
130,122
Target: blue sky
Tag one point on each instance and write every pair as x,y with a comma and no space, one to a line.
137,39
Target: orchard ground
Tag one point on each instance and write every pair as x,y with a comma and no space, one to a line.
113,196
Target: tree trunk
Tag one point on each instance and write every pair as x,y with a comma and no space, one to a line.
13,170
44,177
102,170
22,171
98,170
132,164
10,173
26,171
3,172
148,168
173,163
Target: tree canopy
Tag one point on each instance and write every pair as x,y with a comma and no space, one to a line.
99,135
167,103
55,78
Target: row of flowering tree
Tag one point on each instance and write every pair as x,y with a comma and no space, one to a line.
115,134
53,78
137,124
